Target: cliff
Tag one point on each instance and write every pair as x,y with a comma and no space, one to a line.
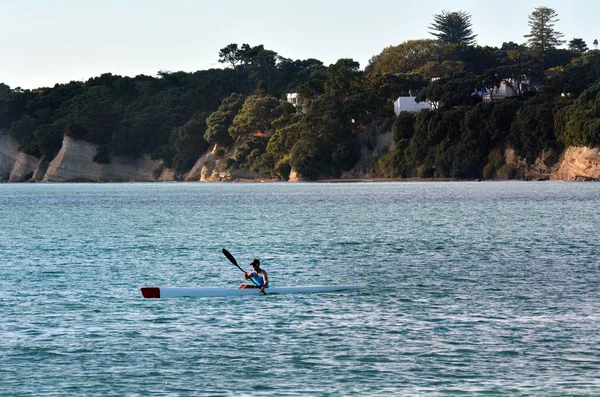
579,164
210,168
24,167
9,151
374,143
74,162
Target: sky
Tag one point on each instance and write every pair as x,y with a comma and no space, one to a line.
44,42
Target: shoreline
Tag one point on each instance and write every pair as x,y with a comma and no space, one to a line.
318,181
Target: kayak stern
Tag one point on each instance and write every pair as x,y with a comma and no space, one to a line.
151,292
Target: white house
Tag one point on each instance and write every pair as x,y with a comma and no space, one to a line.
515,86
408,103
507,88
292,98
295,99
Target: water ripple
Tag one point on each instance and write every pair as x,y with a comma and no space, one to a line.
468,288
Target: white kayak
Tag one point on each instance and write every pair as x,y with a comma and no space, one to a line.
155,292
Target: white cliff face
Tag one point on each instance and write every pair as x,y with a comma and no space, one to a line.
203,167
9,151
295,176
40,171
24,167
210,168
75,162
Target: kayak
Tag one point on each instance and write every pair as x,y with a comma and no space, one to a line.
155,292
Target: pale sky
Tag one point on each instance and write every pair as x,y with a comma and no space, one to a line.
43,42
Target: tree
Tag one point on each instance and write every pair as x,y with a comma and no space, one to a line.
257,116
542,36
344,77
453,27
449,92
411,55
219,121
231,55
190,143
578,45
595,43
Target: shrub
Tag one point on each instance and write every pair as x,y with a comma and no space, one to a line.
220,152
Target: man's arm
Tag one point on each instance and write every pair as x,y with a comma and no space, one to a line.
265,280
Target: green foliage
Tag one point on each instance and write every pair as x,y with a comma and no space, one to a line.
218,123
451,143
578,124
388,87
577,76
533,129
453,27
344,78
248,152
283,169
258,116
403,127
449,92
220,152
176,116
190,143
577,44
542,36
411,56
12,105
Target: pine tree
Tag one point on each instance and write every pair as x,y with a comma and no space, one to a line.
542,36
578,45
595,43
453,27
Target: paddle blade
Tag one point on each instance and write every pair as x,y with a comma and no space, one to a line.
229,256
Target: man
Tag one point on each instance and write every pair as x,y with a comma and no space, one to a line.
259,277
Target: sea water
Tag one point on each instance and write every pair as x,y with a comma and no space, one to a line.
466,288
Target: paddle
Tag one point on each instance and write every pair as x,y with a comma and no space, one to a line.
232,260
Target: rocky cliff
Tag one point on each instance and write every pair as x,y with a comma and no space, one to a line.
579,164
74,162
9,151
24,168
211,168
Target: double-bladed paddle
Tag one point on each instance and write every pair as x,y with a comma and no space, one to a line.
232,260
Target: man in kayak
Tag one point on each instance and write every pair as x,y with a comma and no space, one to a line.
259,277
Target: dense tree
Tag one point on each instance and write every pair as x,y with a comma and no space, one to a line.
218,123
533,128
411,55
176,116
578,45
344,78
453,27
189,143
575,77
326,145
542,35
257,116
451,92
579,124
231,55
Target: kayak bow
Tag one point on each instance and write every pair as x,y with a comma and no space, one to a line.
155,292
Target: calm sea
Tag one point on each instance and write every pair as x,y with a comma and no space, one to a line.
467,288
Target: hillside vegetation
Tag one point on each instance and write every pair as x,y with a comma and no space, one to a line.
178,116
